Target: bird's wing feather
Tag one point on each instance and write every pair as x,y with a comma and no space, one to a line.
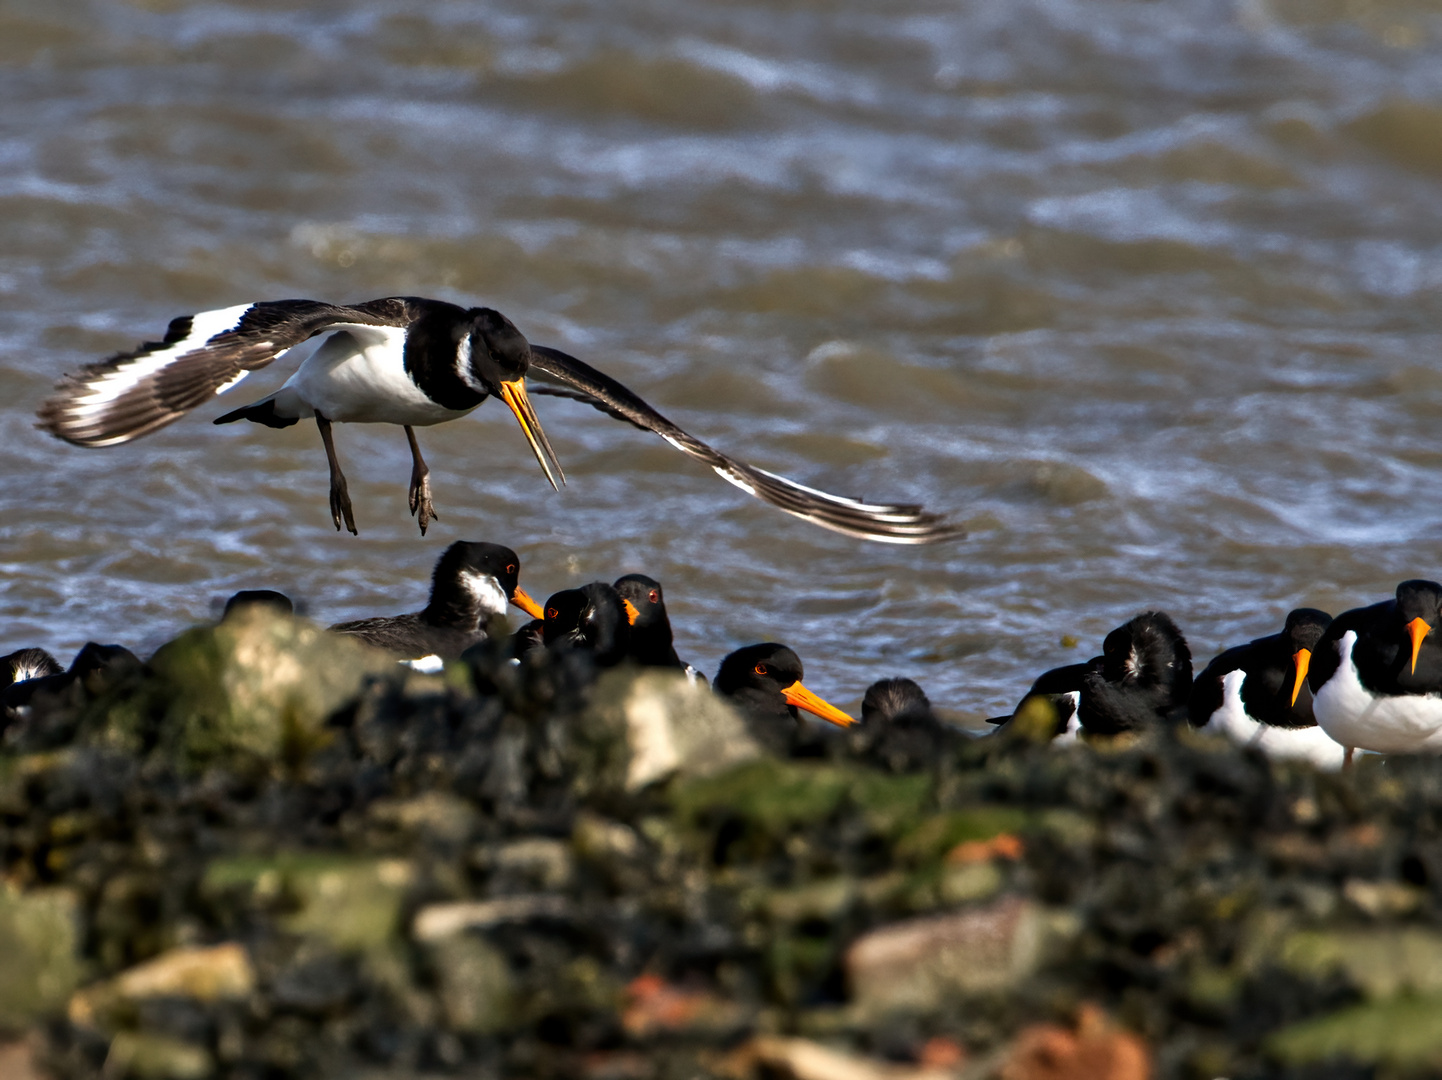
131,394
554,372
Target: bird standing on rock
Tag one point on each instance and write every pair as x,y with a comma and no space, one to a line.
1376,675
1257,694
409,361
471,584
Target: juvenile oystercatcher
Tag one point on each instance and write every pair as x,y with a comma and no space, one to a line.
1376,674
899,727
593,619
764,683
407,361
472,583
1257,694
1141,679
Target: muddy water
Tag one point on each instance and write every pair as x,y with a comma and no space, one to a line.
1147,294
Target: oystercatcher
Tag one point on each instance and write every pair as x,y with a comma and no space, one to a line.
25,664
593,619
472,583
651,644
1376,675
1257,694
764,683
1141,679
899,727
407,361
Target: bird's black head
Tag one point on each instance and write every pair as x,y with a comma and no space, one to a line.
1419,612
499,357
1305,627
592,618
766,679
477,574
1148,650
252,599
645,596
890,700
499,352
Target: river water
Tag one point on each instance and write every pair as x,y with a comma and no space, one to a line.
1148,294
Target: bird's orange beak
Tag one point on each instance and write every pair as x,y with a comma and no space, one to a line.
1301,660
802,698
513,393
526,604
1418,629
631,613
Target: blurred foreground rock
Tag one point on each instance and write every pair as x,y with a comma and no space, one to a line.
268,854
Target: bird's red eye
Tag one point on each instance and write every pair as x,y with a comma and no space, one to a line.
655,596
761,669
552,613
510,568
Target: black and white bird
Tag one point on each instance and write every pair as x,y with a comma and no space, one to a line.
1376,674
1256,695
1141,680
406,361
472,583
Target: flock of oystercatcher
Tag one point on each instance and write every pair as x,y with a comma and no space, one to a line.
1319,689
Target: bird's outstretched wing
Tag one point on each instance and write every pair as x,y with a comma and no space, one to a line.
132,394
554,372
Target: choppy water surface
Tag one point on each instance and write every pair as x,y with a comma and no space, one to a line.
1148,294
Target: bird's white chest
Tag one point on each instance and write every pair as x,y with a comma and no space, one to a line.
1393,724
1303,744
362,379
1073,724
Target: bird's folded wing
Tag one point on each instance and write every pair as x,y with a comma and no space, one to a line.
554,372
132,394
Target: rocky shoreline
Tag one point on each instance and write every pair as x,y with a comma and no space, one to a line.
270,852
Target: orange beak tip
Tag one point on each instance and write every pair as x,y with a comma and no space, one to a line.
521,600
1301,659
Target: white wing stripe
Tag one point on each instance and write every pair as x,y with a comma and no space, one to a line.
111,385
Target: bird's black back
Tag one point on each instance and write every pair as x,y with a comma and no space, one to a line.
1144,677
1382,653
1269,675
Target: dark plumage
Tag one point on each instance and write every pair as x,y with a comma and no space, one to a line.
1141,679
651,644
1144,677
592,619
764,683
412,362
472,584
25,664
248,599
95,669
899,728
1376,675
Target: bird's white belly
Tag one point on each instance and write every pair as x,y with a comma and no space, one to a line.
361,381
1353,716
1073,724
1305,744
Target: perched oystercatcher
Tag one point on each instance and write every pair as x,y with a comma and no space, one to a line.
1141,679
651,644
25,664
899,727
471,584
1376,674
1257,694
764,683
593,619
407,361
